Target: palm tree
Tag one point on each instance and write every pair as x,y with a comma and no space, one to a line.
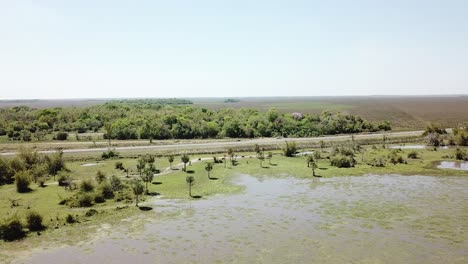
314,166
170,159
140,165
310,159
190,181
208,168
230,153
261,157
185,159
138,189
270,155
148,174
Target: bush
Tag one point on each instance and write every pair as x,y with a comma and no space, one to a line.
70,219
105,189
22,182
413,155
433,139
86,186
110,153
394,158
13,230
64,180
119,165
85,200
61,136
99,198
116,183
342,161
91,212
460,154
378,162
100,177
289,149
34,221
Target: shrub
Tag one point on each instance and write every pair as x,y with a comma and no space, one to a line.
378,162
99,198
61,136
462,139
460,154
413,155
342,161
70,219
116,183
289,149
86,186
394,158
6,172
100,177
433,139
64,180
119,165
13,230
22,181
110,153
106,191
34,221
91,212
85,200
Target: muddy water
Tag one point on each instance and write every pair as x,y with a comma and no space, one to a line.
368,219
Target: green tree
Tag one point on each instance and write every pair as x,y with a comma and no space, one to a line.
190,182
208,168
22,179
261,157
137,189
313,166
141,163
147,176
185,159
170,159
109,130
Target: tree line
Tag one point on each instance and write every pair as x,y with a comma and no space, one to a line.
146,119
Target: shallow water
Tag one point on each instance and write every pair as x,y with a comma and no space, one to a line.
367,219
415,147
456,165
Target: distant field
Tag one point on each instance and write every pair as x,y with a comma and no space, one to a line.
405,112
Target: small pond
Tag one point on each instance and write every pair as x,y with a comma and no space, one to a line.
367,219
414,147
456,165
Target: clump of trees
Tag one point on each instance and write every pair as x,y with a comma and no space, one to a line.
177,119
289,149
29,166
342,157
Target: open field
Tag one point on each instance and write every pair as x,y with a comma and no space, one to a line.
405,112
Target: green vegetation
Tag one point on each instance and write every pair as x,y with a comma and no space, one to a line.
149,119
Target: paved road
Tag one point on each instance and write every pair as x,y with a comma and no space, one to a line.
234,143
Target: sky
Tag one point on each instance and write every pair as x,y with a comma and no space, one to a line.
53,49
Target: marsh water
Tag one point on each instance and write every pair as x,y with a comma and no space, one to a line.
366,219
456,165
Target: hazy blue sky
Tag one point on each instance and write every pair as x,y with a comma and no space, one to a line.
92,48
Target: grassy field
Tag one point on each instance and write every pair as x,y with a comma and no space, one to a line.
405,112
